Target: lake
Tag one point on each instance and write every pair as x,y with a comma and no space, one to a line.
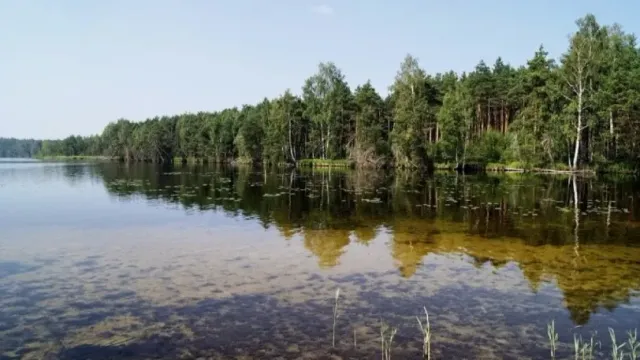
137,261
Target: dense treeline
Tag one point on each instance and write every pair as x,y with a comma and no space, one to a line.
19,148
70,146
580,111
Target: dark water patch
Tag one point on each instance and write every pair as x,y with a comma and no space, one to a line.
9,268
262,327
314,277
353,279
148,270
157,347
121,295
88,264
235,259
45,261
87,318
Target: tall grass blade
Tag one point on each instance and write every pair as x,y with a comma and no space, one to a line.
634,345
426,335
386,340
553,338
335,318
616,350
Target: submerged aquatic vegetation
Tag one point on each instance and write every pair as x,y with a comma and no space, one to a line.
417,238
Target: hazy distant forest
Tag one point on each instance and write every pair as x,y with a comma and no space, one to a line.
582,111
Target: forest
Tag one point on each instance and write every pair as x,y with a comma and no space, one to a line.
580,111
19,148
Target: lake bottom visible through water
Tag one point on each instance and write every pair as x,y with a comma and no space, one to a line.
104,261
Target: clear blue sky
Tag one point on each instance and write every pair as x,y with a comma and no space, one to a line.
72,66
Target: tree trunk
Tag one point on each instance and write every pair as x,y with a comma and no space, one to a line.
464,151
293,156
322,141
488,116
506,121
328,138
479,118
612,143
578,131
576,217
487,127
535,143
504,129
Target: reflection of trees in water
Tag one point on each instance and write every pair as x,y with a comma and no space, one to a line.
327,244
365,235
537,209
606,276
533,221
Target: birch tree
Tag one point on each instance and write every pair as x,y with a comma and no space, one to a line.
578,71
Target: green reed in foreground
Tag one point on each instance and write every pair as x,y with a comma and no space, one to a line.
387,334
553,338
617,352
335,318
426,335
582,349
633,344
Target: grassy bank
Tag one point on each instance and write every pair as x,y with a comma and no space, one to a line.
190,160
558,168
522,168
340,163
76,158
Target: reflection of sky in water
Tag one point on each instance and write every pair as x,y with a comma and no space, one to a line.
53,194
88,272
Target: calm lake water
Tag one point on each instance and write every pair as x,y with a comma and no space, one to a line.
103,261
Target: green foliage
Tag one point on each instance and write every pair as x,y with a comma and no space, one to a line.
579,112
325,163
495,167
518,165
617,168
286,129
59,158
455,119
329,107
560,167
489,148
371,146
414,115
17,148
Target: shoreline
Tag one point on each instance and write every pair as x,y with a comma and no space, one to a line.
348,164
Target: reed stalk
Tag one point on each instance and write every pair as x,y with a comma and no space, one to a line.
335,317
426,335
553,338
